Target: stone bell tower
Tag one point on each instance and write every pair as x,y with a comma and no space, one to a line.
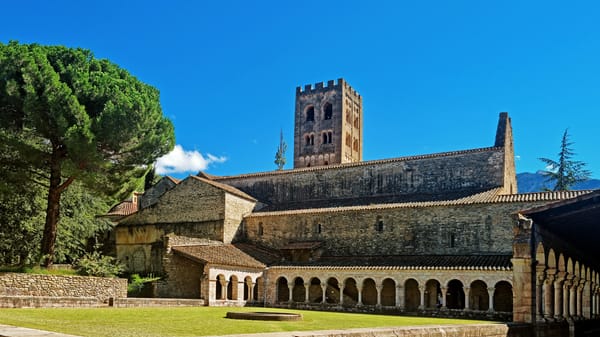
328,125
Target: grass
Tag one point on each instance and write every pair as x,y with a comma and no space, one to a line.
37,270
193,321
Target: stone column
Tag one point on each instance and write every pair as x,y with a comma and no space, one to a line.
324,292
491,291
291,293
359,296
444,291
467,297
400,297
224,288
539,291
579,304
422,293
240,291
573,299
558,300
306,292
379,287
566,298
548,297
251,286
341,294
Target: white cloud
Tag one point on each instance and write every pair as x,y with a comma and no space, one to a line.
517,157
181,161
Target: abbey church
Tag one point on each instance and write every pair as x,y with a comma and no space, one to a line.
442,234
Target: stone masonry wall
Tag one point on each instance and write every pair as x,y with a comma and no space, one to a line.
101,288
182,278
463,229
235,210
466,171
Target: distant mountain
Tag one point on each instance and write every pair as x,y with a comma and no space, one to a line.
536,182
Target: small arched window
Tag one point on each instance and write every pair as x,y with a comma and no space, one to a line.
310,114
319,228
307,139
356,122
325,138
312,139
260,229
328,110
356,145
348,140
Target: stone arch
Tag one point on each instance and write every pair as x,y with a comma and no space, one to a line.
570,269
315,292
388,292
369,292
433,292
561,263
283,292
540,254
232,288
455,295
412,295
310,113
298,291
503,297
551,263
327,110
350,291
219,293
479,298
259,290
332,294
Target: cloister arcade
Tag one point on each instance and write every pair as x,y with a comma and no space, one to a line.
423,290
565,288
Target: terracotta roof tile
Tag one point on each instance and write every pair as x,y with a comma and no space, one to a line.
409,262
362,163
224,254
123,208
483,197
487,197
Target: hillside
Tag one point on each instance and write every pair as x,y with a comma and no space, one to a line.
536,182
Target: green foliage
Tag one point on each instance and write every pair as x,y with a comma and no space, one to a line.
95,264
137,285
68,116
280,154
565,172
37,270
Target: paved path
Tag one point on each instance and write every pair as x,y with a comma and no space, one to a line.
14,331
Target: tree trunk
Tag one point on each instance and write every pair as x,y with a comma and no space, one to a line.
52,209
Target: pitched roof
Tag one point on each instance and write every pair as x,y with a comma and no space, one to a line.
486,197
223,254
407,262
123,208
226,188
362,163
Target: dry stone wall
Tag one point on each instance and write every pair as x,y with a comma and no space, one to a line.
58,286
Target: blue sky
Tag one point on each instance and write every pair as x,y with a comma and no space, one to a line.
434,75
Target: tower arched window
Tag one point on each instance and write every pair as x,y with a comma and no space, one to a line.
312,139
310,114
307,140
328,111
325,138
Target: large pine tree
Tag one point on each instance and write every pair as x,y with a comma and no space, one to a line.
88,119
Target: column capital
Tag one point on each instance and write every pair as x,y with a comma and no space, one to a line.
323,285
306,284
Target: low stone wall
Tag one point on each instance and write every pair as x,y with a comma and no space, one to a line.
49,302
157,302
60,286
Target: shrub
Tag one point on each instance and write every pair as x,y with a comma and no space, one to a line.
95,264
139,286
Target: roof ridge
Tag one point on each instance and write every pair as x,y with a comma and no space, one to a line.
362,163
225,187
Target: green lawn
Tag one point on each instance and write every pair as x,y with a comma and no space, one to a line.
187,321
